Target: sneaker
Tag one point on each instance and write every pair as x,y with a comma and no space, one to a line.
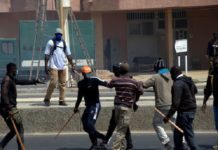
167,146
47,102
101,146
107,141
62,103
93,147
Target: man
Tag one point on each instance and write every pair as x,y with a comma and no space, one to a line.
212,88
112,125
88,88
162,83
212,50
8,106
184,102
56,52
126,91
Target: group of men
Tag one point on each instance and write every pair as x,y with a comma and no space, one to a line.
174,97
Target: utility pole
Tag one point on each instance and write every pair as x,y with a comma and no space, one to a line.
61,16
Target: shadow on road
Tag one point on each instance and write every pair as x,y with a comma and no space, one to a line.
206,147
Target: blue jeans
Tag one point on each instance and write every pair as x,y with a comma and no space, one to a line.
185,121
215,109
89,118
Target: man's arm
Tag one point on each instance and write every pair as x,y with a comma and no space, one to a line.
29,82
70,60
149,83
5,88
46,64
79,99
101,82
176,99
207,93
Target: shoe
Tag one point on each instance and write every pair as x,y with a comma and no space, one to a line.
129,149
107,141
93,147
101,146
167,146
47,102
184,146
62,103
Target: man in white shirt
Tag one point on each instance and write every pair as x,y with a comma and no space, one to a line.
56,52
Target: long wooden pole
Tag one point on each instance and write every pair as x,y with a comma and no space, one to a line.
62,128
172,123
18,135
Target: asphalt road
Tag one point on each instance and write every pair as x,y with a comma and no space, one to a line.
142,141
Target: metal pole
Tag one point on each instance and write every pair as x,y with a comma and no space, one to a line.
61,16
179,64
186,64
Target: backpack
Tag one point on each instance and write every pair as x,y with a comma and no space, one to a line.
55,46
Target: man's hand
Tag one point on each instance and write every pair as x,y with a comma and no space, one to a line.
204,107
166,119
135,107
75,110
47,70
73,67
41,81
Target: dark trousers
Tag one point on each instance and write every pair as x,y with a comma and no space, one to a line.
89,118
112,127
11,133
185,121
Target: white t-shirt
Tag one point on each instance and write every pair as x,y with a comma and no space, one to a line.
58,59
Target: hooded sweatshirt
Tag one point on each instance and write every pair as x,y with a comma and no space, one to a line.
183,96
162,83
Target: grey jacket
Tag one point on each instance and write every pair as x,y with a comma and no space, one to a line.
162,84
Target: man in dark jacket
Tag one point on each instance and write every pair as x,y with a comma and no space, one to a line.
127,90
184,102
212,50
8,106
88,88
212,88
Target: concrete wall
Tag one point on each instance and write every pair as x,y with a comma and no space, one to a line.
114,5
201,25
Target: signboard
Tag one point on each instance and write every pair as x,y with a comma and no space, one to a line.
181,46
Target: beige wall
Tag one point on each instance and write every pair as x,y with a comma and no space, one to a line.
30,5
202,23
114,27
114,5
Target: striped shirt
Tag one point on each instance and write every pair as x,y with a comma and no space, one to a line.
126,90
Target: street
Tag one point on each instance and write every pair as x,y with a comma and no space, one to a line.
142,141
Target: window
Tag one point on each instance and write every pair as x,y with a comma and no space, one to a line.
181,23
7,48
147,28
134,29
161,24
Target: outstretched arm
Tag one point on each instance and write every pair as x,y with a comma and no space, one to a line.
79,99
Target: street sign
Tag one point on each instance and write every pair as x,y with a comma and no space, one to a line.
181,46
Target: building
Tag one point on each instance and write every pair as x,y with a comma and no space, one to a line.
138,31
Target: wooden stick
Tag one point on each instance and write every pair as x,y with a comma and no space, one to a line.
62,128
172,123
18,135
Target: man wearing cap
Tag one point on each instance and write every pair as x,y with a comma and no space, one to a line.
127,90
212,49
88,88
162,84
56,52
